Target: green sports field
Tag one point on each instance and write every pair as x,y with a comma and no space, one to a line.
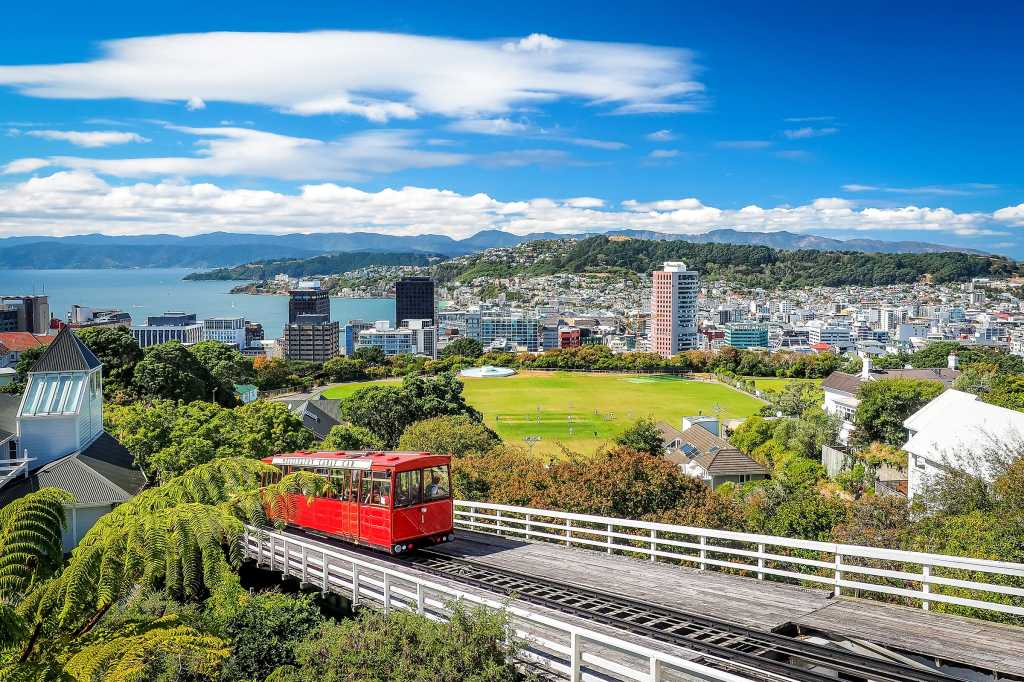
585,410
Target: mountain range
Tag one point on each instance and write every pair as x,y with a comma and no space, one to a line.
223,249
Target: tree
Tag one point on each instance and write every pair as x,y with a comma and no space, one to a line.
438,395
463,346
117,349
475,645
885,404
456,435
385,410
643,436
26,360
266,428
340,368
274,373
350,437
505,474
225,363
370,355
169,370
265,633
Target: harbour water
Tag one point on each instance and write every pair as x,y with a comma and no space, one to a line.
152,291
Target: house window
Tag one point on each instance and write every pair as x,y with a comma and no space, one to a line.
919,462
745,478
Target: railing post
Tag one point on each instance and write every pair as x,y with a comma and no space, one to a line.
568,532
760,561
529,526
575,657
497,516
305,578
387,593
654,544
838,572
355,585
926,587
655,669
703,552
611,540
421,601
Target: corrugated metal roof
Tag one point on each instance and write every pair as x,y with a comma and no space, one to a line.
67,353
71,474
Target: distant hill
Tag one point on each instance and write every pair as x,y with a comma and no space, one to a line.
309,267
225,249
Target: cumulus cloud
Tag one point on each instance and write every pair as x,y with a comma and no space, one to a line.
664,135
78,201
808,131
379,76
228,151
88,138
743,144
25,166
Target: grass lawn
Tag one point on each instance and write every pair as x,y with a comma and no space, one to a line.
585,410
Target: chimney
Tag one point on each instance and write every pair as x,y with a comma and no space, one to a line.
953,361
865,367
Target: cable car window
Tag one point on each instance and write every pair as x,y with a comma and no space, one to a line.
340,485
407,488
435,484
377,488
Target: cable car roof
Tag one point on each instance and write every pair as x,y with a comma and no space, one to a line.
359,459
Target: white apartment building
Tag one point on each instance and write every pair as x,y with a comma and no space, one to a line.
837,336
227,330
418,338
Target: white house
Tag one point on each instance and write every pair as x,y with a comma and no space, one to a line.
841,388
53,437
954,429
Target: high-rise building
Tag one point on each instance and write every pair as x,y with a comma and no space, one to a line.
513,328
414,300
31,314
674,309
313,338
308,299
352,330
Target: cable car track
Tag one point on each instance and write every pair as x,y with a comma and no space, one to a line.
763,651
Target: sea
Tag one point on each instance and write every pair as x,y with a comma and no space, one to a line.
151,291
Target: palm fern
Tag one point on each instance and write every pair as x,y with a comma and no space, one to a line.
141,649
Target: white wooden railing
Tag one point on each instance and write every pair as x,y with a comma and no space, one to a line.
564,648
847,569
10,469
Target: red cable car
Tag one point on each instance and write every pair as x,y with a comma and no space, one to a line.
394,501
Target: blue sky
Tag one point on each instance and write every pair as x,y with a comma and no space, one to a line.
884,120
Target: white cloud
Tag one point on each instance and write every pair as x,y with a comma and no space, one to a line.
25,166
376,75
1013,215
76,202
245,152
664,135
664,153
743,144
490,126
808,131
89,138
525,157
195,103
810,119
967,189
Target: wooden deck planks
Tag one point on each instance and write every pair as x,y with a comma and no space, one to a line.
748,602
755,603
991,646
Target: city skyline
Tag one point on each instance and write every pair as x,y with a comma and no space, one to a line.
750,118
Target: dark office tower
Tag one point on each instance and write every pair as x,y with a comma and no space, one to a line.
414,300
308,301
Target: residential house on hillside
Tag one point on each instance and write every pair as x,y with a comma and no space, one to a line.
53,436
703,454
841,388
319,415
13,344
957,429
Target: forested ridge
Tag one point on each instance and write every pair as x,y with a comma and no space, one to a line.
768,267
332,263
